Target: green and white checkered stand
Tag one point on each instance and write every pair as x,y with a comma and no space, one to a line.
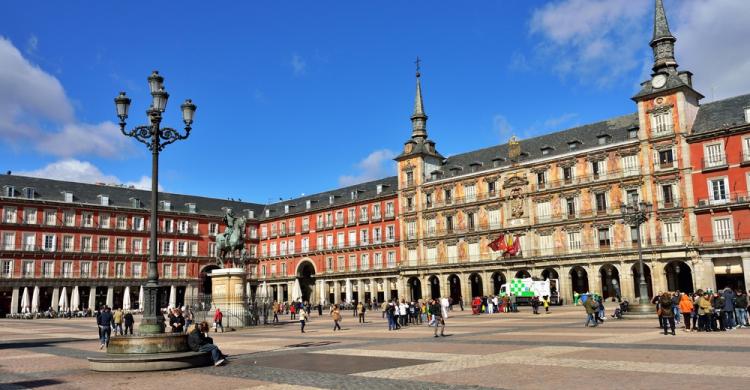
520,289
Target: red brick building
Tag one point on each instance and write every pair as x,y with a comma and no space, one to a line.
720,155
58,236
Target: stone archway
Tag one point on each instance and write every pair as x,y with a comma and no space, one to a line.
476,285
579,280
523,274
637,280
455,287
415,287
610,277
498,279
205,279
306,278
679,277
434,286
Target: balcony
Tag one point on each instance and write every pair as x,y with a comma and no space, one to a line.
714,162
668,204
733,198
665,165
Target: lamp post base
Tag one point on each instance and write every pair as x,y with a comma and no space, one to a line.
640,311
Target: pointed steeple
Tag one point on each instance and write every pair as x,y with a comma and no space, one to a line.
663,42
418,118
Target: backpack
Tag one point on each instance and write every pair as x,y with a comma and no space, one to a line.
594,304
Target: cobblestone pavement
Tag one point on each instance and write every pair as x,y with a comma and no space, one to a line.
512,351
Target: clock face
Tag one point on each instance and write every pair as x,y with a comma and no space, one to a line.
658,81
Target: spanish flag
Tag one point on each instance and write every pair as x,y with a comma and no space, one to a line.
499,244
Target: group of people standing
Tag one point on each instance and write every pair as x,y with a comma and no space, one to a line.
702,311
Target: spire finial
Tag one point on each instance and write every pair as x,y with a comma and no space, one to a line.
417,62
418,118
663,41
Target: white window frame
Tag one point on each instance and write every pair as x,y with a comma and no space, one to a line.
723,232
716,158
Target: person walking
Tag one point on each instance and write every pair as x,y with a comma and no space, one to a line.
361,312
545,302
740,309
292,311
437,317
686,309
104,322
218,317
302,320
128,320
666,312
117,318
336,316
276,310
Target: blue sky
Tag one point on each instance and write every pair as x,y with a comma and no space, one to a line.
302,97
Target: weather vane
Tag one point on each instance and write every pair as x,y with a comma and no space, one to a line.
417,62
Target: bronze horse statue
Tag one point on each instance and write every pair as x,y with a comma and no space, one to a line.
228,244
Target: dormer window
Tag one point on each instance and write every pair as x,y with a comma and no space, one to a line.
633,133
9,191
497,161
166,205
29,192
546,150
353,195
603,139
455,170
249,214
286,209
135,203
435,175
268,213
68,197
190,207
103,200
308,204
574,144
524,154
378,188
473,167
747,114
330,199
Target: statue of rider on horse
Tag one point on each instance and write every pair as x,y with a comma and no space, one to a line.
232,240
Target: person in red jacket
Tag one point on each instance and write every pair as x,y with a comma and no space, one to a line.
218,316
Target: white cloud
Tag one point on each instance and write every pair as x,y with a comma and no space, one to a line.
596,41
600,41
35,111
376,165
82,172
299,66
504,129
31,44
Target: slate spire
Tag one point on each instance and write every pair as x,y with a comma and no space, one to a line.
418,118
663,42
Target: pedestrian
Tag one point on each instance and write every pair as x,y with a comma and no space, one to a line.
292,311
461,302
320,309
590,306
666,312
128,320
686,309
302,320
188,314
336,316
437,317
104,322
117,317
576,298
218,317
545,302
177,321
199,342
740,309
361,312
705,311
727,311
535,304
276,310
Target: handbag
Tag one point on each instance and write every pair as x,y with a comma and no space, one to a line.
658,312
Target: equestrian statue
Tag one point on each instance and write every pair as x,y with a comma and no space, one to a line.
231,241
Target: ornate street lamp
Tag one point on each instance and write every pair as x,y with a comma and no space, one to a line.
155,138
635,215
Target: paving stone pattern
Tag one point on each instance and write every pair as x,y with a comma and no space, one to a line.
511,351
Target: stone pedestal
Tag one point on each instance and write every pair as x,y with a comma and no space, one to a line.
228,286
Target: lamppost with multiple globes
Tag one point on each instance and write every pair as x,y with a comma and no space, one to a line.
155,138
635,214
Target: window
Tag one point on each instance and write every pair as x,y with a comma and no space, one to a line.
570,206
68,197
389,210
119,270
306,224
352,238
546,245
494,217
308,204
470,192
376,211
666,195
6,269
137,267
391,259
69,218
543,211
263,231
363,240
272,249
411,230
102,269
631,196
85,269
9,191
27,269
305,244
672,233
181,271
411,257
602,139
181,248
452,254
390,233
50,218
662,122
340,218
29,192
428,200
353,262
167,271
363,214
320,242
718,190
633,133
104,200
601,202
666,159
166,205
630,165
212,249
747,114
430,227
714,155
598,169
409,178
67,269
166,248
48,269
448,196
138,223
431,256
86,244
9,241
329,241
9,215
351,215
137,246
746,149
541,179
30,216
190,207
474,251
29,241
168,225
183,226
104,221
340,240
364,261
121,222
574,241
377,260
341,264
568,175
449,224
193,249
48,241
723,229
604,241
634,235
377,236
103,244
87,220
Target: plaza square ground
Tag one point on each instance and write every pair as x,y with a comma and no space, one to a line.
511,351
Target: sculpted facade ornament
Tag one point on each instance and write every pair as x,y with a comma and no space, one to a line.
661,109
596,157
545,232
516,203
491,179
540,169
628,152
567,163
515,181
671,178
473,239
541,199
573,228
493,206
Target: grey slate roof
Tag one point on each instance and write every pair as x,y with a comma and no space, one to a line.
342,196
52,190
557,144
721,114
